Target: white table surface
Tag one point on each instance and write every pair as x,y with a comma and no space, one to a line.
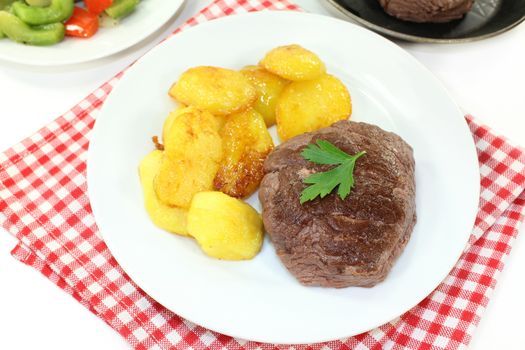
486,78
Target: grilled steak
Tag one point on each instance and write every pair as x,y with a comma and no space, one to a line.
332,242
427,10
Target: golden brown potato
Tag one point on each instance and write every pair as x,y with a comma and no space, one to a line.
310,105
168,122
171,219
219,91
246,144
188,123
269,86
192,153
225,227
293,62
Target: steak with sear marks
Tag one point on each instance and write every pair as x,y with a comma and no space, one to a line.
427,10
338,243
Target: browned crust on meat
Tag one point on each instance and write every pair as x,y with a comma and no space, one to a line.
421,11
338,243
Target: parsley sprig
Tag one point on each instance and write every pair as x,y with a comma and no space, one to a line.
323,183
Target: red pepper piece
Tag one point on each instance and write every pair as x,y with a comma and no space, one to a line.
97,6
82,24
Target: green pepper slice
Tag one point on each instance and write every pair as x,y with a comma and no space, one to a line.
58,11
38,3
4,4
15,29
121,8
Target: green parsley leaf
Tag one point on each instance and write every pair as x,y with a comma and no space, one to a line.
323,183
324,153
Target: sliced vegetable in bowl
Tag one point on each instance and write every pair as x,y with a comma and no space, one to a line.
57,11
97,6
47,22
13,27
82,24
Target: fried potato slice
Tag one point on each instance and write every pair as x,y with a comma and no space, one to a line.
310,105
219,91
246,144
171,219
192,153
225,227
293,62
269,86
168,122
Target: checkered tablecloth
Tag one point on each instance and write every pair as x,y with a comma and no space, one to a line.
44,203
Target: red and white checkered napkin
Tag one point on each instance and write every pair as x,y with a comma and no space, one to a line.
43,202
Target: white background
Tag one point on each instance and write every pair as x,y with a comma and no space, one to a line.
486,78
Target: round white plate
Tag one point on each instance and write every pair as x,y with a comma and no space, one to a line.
259,299
149,16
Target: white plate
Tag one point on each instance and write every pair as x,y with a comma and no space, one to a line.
259,299
149,16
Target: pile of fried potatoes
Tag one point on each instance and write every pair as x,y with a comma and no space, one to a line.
214,145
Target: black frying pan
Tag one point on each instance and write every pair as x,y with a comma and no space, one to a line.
487,18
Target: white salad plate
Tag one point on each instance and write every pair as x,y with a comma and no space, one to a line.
148,17
259,299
